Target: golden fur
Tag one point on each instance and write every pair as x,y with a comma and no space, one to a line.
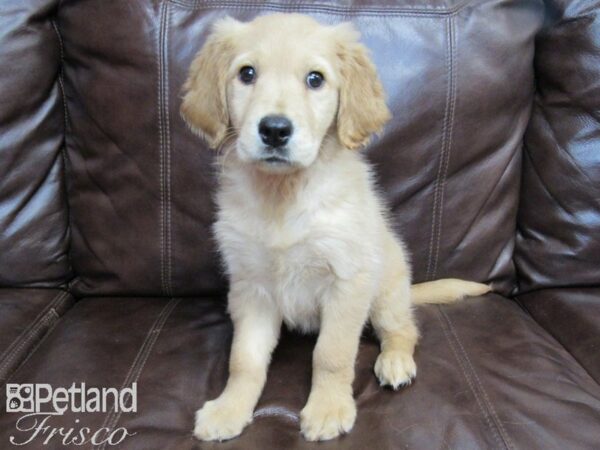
305,243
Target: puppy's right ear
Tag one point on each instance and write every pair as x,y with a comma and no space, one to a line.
204,105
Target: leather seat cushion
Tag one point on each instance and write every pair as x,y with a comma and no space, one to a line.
488,377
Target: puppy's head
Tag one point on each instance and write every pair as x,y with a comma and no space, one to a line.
279,85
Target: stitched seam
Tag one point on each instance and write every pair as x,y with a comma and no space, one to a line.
26,329
492,419
161,148
434,213
436,186
503,433
327,9
165,154
168,146
448,140
466,375
57,298
162,152
45,322
138,363
34,348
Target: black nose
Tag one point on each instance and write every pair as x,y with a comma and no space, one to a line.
275,130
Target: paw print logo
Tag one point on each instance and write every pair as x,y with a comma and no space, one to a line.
19,398
14,404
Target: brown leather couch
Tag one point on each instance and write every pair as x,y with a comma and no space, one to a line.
491,167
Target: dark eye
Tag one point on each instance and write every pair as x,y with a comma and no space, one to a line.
315,80
247,74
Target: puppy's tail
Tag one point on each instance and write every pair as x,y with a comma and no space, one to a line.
445,291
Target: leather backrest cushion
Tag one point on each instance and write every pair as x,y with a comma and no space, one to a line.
459,80
33,210
558,241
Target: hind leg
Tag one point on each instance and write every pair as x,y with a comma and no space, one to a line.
393,320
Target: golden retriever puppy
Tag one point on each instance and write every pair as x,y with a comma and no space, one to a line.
300,226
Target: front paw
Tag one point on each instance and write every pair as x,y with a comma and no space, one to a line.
395,368
219,420
325,417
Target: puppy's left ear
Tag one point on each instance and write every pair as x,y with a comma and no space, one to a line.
204,105
362,109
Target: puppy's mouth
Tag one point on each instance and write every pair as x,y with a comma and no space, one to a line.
275,160
275,157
